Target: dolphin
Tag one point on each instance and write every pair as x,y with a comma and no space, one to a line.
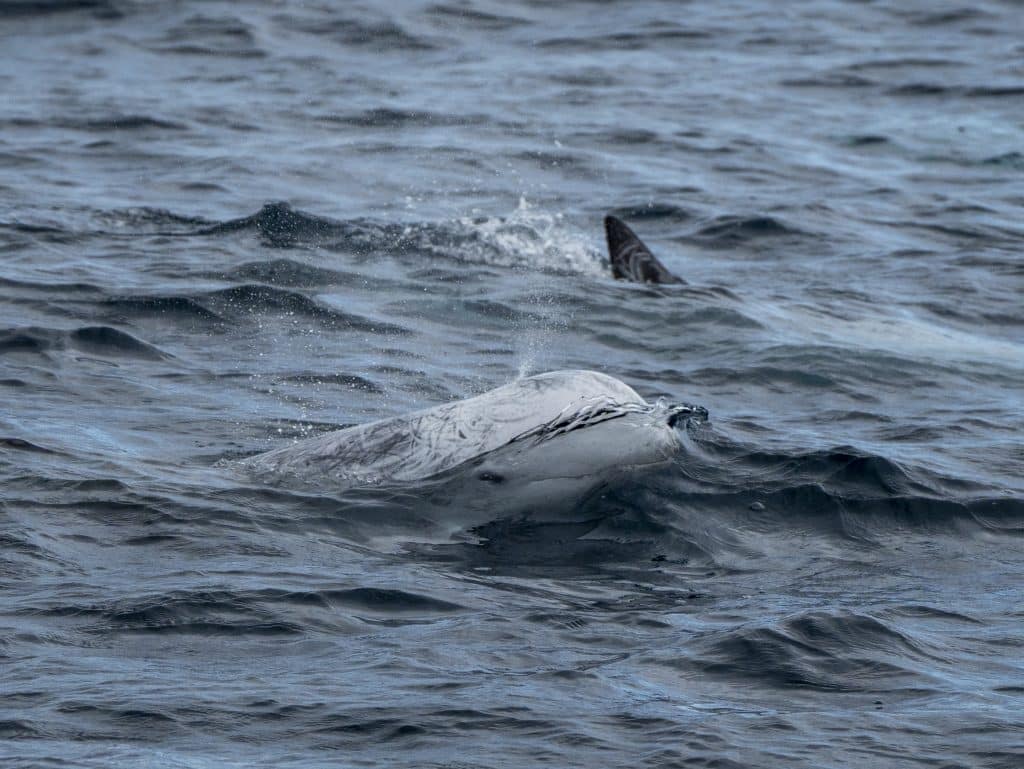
540,441
631,259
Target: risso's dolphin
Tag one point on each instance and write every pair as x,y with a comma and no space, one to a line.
539,441
630,258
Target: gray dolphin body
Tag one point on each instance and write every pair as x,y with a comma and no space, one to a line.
630,258
541,440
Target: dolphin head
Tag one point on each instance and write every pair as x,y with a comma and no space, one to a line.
553,470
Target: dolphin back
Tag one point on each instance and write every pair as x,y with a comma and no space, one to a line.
431,441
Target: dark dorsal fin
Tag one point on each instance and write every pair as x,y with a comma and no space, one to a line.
631,259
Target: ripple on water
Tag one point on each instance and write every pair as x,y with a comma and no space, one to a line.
225,227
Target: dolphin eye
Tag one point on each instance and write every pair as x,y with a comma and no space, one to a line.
490,477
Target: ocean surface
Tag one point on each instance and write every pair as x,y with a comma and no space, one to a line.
228,225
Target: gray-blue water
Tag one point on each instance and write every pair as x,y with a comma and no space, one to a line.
225,225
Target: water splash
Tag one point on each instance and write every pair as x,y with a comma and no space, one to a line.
532,239
537,243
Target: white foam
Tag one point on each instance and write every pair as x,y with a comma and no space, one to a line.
532,239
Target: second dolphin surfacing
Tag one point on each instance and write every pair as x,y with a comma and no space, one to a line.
547,440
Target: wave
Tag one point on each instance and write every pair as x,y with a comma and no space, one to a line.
281,225
227,306
96,340
257,298
454,15
348,381
930,18
104,9
382,34
842,492
165,307
213,36
654,211
729,231
838,651
259,612
20,444
931,88
385,117
848,78
287,272
665,32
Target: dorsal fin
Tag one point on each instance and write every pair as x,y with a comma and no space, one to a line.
631,259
